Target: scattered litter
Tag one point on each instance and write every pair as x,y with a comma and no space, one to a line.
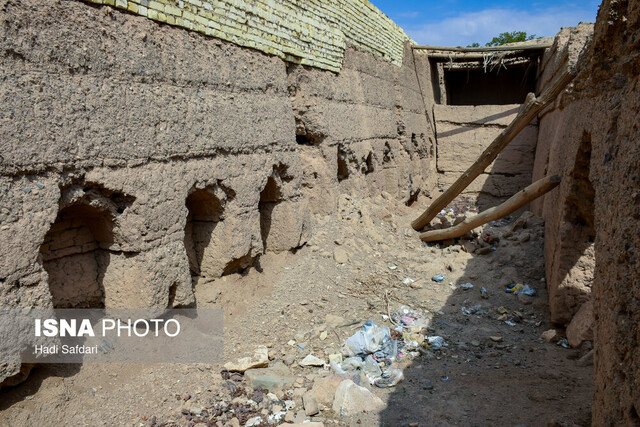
391,377
371,367
393,267
336,357
352,364
323,335
483,293
367,339
408,318
501,222
445,379
510,323
373,351
465,286
436,342
288,268
476,309
501,310
519,288
408,281
564,343
300,347
291,343
438,278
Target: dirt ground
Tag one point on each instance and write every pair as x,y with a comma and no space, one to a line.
490,372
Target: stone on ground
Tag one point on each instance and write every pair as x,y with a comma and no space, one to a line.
351,399
312,360
581,327
260,359
550,335
310,403
271,378
340,255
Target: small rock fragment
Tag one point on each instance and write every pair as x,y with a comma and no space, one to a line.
312,360
549,335
260,359
310,403
340,255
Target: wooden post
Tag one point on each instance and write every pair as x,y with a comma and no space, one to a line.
514,203
528,112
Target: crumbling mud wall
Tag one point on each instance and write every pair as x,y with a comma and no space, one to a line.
363,131
590,136
569,210
139,159
464,132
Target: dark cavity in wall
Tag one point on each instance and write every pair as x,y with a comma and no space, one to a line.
205,211
367,166
581,199
76,250
74,256
343,167
270,197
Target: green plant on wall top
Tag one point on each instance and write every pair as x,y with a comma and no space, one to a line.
507,37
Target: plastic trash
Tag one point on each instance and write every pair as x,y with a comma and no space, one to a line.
335,357
371,368
510,323
501,310
368,339
408,281
471,310
519,288
438,278
483,293
352,364
564,343
466,286
389,378
436,342
388,352
405,316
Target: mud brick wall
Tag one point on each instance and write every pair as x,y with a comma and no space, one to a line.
568,211
310,32
138,159
590,137
464,132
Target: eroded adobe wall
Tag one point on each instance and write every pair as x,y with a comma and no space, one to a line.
591,138
138,159
363,131
464,132
568,211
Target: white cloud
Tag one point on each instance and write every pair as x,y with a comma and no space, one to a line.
482,26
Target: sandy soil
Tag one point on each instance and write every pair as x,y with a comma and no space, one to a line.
516,378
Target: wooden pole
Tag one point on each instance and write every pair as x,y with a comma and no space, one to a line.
528,112
514,203
519,46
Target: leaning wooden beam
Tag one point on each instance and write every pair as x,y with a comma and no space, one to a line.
532,46
514,203
528,112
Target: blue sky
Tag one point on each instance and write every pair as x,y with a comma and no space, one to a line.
462,22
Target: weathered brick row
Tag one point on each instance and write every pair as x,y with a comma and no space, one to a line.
309,32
